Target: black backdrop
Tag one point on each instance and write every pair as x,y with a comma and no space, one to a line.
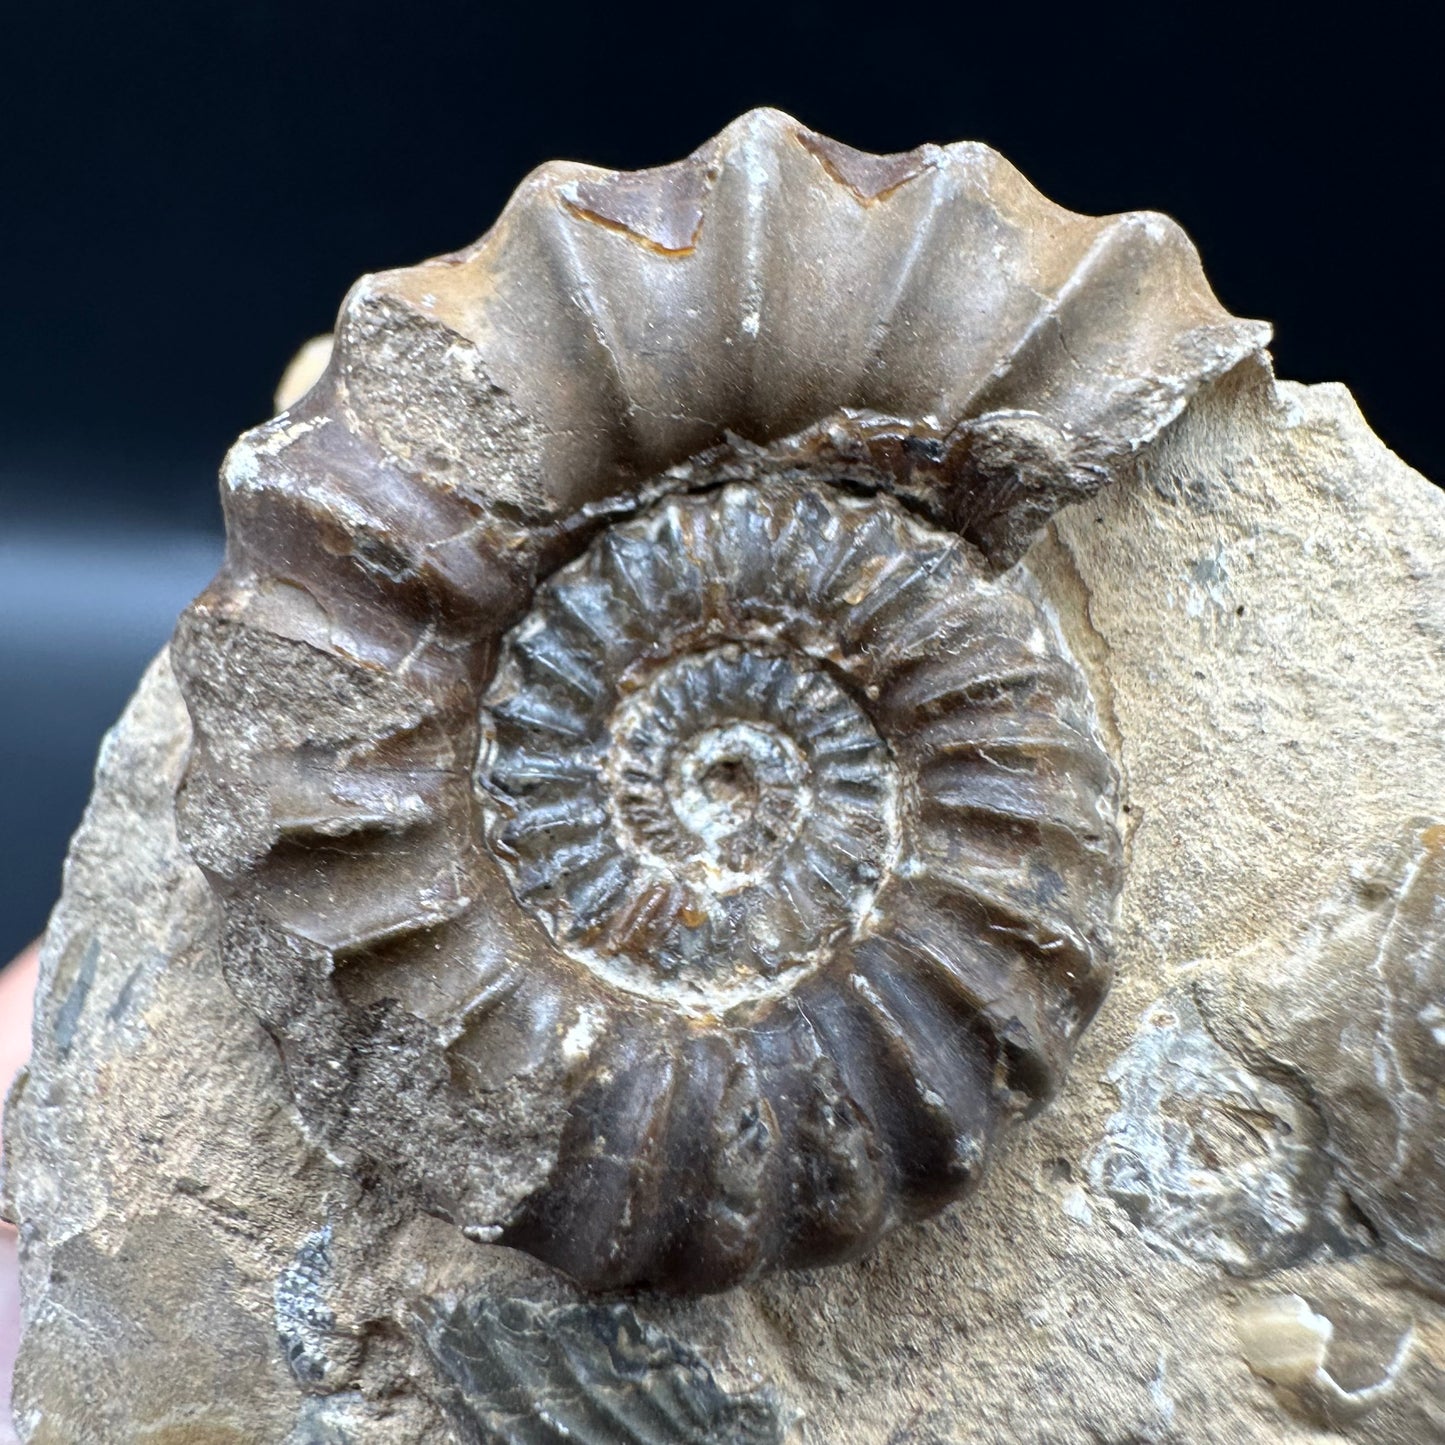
187,189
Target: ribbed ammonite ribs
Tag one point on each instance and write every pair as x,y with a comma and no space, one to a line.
655,809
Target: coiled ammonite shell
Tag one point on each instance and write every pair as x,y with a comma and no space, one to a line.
654,808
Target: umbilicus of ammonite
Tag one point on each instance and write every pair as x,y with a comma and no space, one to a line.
656,811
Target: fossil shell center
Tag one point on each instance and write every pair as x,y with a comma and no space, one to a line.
687,789
719,762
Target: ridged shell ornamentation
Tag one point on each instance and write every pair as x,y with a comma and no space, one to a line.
655,811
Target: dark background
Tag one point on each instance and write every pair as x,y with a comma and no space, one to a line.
187,189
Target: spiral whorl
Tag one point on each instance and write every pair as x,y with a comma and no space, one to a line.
653,805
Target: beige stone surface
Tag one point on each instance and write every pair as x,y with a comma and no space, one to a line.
1227,1229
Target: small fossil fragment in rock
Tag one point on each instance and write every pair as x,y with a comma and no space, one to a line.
1357,1012
654,809
1213,1160
521,1374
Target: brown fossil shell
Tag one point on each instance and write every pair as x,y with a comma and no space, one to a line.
654,809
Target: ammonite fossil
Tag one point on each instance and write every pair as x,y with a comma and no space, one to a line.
656,811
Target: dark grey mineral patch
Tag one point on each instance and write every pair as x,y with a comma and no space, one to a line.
303,1318
516,1373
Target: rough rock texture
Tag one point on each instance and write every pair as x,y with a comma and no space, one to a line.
1226,1229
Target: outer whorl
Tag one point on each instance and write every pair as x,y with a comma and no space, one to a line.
654,810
